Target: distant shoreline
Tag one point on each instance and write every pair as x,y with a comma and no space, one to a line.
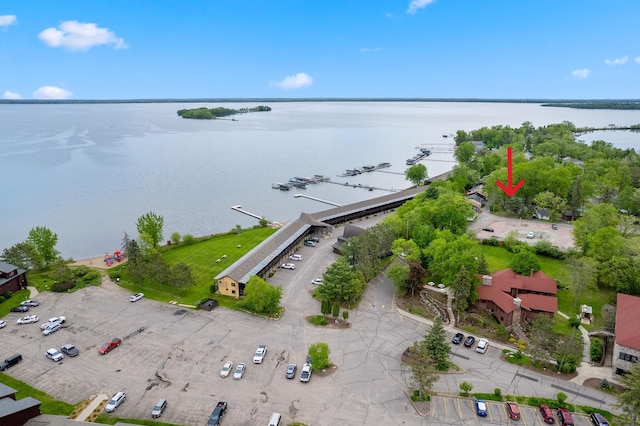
235,100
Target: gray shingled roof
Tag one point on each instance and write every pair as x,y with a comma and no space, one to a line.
6,390
8,406
6,268
265,252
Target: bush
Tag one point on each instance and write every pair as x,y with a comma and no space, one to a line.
62,287
81,270
562,397
8,294
574,322
318,320
497,392
493,241
187,239
213,288
92,277
335,310
2,299
345,315
465,387
596,350
175,238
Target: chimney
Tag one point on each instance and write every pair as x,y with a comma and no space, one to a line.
487,280
532,272
517,301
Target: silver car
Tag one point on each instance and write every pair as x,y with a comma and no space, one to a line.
115,402
239,371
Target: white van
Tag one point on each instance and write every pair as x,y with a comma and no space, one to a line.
275,419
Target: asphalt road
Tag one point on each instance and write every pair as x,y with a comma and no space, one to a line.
179,354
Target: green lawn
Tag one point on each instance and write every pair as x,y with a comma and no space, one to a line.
50,405
20,296
201,256
499,258
106,419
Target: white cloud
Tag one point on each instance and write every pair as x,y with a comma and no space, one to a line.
581,73
74,35
11,95
389,15
637,59
6,20
617,61
52,92
293,81
369,49
418,4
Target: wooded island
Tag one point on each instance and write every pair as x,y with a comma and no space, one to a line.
214,113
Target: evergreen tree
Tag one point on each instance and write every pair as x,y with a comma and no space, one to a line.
437,345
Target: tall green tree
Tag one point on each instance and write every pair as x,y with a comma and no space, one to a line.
583,277
464,290
543,339
340,282
23,255
423,372
44,241
437,345
465,152
416,174
398,274
415,279
592,220
629,400
150,227
524,262
181,276
261,297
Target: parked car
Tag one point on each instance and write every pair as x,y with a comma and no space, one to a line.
51,321
513,410
289,266
109,346
259,355
310,243
240,368
554,226
295,257
3,324
483,345
216,415
158,408
30,303
54,354
317,281
20,308
28,320
51,329
136,297
481,408
305,374
226,369
469,341
564,417
70,350
315,239
598,419
488,229
547,414
457,339
531,234
115,402
291,371
10,362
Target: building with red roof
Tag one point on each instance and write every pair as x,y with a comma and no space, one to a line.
514,298
626,350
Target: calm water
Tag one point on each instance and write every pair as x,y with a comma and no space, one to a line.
88,171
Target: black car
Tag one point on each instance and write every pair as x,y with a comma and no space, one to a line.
20,308
488,229
554,226
469,341
457,339
70,350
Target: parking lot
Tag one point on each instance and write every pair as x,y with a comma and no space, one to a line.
454,410
179,353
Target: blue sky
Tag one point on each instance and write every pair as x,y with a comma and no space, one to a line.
86,49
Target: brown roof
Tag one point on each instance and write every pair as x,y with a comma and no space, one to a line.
627,320
503,281
539,302
500,298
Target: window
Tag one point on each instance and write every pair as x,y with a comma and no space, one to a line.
233,292
233,284
627,357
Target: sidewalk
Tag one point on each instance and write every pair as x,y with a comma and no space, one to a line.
97,401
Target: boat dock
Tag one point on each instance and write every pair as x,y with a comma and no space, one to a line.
317,199
239,208
367,187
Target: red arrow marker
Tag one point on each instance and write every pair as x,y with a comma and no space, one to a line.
510,190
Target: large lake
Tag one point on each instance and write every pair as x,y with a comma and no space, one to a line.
88,171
